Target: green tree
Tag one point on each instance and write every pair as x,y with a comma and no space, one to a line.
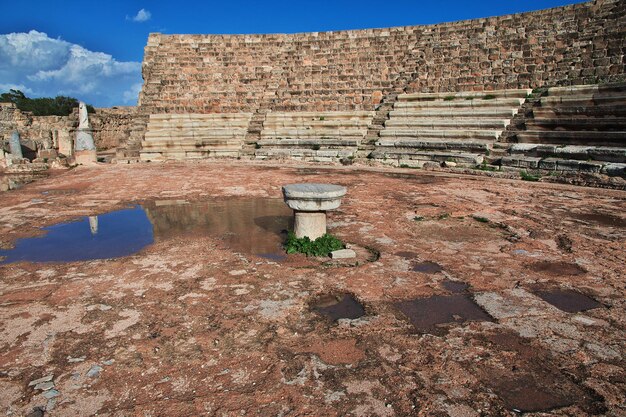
44,106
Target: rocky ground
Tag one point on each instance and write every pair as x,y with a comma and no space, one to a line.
189,326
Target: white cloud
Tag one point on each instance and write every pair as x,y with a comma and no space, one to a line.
130,95
142,16
36,63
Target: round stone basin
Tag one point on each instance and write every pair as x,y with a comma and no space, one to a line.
313,197
310,203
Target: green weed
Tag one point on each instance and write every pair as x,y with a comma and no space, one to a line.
321,246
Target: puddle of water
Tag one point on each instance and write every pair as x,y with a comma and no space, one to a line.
430,315
110,235
341,306
524,393
557,268
427,267
407,255
600,218
253,226
568,300
455,287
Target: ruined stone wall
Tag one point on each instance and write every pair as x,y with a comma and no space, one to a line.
354,70
111,126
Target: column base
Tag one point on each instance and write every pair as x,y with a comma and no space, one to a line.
85,157
309,223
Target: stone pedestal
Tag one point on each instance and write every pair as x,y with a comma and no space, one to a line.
85,157
310,203
311,224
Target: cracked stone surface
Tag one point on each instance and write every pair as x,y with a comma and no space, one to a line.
188,326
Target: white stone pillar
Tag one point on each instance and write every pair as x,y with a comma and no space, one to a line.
85,149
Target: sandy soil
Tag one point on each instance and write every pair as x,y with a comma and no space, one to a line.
189,327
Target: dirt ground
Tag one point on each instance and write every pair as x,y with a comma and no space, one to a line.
188,326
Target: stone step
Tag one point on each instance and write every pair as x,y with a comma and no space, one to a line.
577,123
463,104
312,133
443,123
581,111
597,153
183,155
590,138
441,134
616,99
308,143
510,93
190,147
331,115
400,155
456,113
316,124
586,89
474,146
299,153
193,134
567,165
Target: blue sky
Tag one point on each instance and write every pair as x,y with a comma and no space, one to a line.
93,50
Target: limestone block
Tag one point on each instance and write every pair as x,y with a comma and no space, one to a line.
343,254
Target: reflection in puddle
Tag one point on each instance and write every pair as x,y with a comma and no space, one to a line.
430,315
110,235
600,218
342,306
251,226
568,300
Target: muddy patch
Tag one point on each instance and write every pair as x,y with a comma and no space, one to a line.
436,314
426,267
526,381
338,306
557,268
568,300
603,219
455,287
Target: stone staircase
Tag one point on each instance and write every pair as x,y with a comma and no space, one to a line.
455,128
313,136
576,128
129,151
193,136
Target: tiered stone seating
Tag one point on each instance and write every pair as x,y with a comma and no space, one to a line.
446,127
187,136
312,136
575,128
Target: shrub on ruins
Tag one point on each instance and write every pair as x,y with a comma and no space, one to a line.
525,176
43,106
321,246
